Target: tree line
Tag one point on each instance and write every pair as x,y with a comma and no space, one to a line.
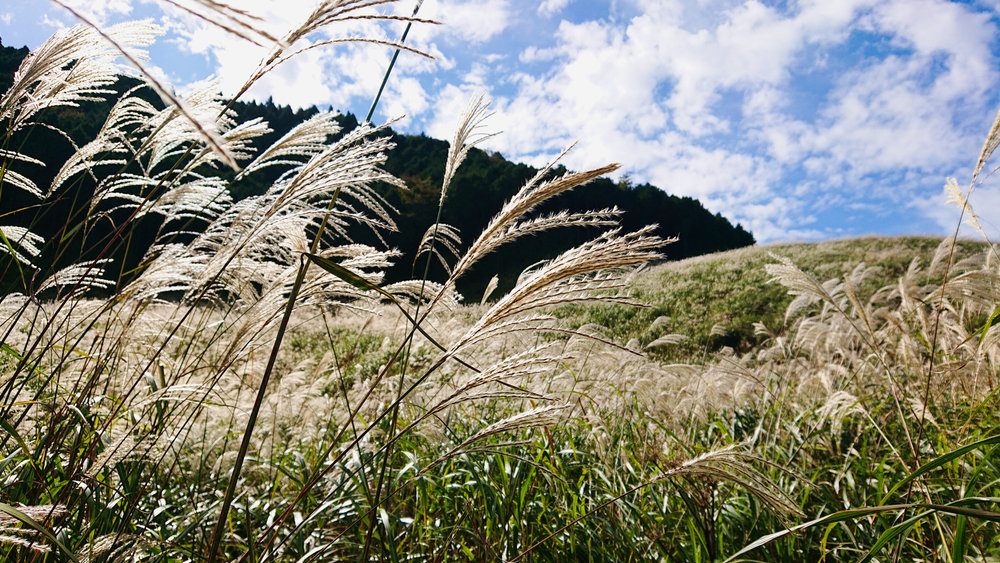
482,184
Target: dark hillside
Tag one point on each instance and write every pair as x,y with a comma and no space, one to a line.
478,191
486,180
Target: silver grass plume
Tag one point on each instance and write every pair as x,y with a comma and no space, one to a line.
114,547
571,277
193,118
438,239
667,340
547,415
467,135
205,199
303,142
74,65
989,146
17,179
491,286
85,275
30,538
14,238
797,281
956,197
424,290
257,235
503,228
113,144
136,60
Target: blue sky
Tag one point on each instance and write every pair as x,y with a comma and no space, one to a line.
802,120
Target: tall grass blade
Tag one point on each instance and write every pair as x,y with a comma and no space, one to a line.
938,462
36,526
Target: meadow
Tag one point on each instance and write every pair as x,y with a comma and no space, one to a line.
248,389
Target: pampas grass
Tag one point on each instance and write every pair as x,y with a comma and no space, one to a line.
249,387
108,399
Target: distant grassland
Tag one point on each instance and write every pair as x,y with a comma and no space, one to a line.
731,290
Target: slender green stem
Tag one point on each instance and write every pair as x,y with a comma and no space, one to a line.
262,388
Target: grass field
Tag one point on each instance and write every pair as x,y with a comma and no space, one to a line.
252,391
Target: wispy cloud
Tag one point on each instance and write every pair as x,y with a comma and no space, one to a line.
100,12
468,21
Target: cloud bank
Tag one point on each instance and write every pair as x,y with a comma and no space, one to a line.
801,120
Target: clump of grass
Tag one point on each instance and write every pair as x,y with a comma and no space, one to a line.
248,387
154,408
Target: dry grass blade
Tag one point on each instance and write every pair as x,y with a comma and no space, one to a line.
240,23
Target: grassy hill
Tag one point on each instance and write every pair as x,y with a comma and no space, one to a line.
714,300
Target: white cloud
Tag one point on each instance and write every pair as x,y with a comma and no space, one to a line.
6,18
469,21
551,7
340,75
700,99
656,91
100,12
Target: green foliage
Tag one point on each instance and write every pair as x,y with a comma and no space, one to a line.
731,292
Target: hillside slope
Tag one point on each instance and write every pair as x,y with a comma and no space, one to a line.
730,291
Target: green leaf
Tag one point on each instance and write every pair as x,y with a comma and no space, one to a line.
989,323
951,508
852,514
69,234
840,516
939,461
891,534
7,349
31,523
20,441
347,275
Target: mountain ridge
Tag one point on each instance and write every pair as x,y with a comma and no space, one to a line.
481,185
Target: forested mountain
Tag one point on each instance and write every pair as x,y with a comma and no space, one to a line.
486,180
479,189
